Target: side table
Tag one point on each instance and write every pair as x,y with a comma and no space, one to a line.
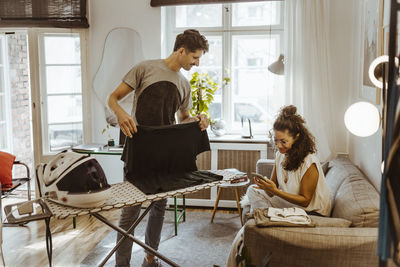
235,187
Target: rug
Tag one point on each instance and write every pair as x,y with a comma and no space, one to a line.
198,243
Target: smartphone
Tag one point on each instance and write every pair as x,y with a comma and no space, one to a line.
259,176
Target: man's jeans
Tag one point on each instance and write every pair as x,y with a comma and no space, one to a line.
153,230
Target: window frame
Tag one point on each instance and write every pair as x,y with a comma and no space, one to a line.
6,94
38,88
226,31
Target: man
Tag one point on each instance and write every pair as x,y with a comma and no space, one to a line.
160,92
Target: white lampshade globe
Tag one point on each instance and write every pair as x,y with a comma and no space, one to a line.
362,119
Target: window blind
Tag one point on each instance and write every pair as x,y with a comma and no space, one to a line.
156,3
43,13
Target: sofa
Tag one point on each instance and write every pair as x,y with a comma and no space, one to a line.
347,238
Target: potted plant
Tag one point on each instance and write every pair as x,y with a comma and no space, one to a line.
203,90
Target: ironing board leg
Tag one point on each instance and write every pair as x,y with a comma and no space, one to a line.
176,215
126,234
184,208
182,214
130,230
49,243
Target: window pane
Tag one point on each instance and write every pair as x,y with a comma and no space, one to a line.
254,87
1,50
199,16
2,108
256,14
213,58
66,135
216,107
62,49
63,79
64,109
3,135
2,89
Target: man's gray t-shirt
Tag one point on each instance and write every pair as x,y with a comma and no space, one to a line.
159,93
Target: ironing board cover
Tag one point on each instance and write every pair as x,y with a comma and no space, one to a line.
126,194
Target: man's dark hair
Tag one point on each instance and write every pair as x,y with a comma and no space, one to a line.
191,40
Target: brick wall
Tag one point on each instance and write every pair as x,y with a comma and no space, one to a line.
20,101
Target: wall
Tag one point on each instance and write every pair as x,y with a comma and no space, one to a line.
105,15
341,16
20,98
365,152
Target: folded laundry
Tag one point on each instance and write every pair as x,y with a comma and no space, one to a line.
293,215
262,219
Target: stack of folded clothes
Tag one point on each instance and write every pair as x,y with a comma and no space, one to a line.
281,217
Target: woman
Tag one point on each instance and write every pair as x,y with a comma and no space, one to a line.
297,178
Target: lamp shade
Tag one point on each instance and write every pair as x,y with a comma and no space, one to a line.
375,71
362,119
278,66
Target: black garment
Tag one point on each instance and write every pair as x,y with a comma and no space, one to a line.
161,159
158,104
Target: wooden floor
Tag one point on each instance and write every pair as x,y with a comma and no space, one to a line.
26,246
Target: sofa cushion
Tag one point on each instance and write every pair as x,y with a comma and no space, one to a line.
325,166
311,246
339,169
358,201
6,165
320,221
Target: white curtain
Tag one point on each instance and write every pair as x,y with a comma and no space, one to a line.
307,71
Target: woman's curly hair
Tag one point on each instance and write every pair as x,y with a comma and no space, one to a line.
289,120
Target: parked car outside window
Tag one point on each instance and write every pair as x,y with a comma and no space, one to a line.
245,109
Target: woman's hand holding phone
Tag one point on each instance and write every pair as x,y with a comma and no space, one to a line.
265,184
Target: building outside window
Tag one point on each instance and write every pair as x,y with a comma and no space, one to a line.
244,39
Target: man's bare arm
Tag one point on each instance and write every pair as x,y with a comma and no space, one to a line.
125,121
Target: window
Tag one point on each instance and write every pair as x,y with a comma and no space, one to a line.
4,99
244,39
42,95
61,90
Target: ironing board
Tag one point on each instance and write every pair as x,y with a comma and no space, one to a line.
122,195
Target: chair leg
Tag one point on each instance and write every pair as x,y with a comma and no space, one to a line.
29,190
1,230
238,205
1,244
216,203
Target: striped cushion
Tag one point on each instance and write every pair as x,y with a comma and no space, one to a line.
357,201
